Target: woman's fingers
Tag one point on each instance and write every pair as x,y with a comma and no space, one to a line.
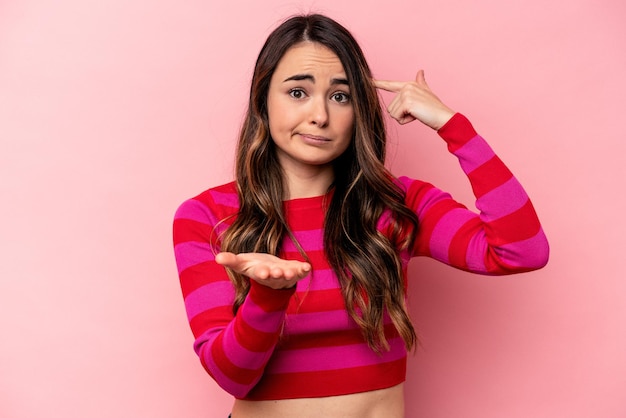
415,100
420,78
391,86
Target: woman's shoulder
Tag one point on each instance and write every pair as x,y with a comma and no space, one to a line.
419,194
217,202
222,194
408,183
226,191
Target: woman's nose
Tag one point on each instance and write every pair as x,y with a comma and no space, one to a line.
319,112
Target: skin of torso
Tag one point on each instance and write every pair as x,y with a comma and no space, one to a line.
383,403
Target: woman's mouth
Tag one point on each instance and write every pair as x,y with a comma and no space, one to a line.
314,139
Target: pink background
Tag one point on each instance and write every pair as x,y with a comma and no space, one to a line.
113,112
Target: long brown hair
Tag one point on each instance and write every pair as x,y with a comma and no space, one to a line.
366,261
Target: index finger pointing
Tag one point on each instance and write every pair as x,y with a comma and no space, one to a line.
392,86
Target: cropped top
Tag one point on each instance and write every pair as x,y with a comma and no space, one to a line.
301,342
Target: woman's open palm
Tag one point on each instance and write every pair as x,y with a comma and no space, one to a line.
265,269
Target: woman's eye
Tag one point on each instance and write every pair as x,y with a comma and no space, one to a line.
341,97
296,93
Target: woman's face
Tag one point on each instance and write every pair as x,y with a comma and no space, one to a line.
311,117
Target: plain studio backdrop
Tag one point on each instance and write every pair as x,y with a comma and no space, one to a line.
114,112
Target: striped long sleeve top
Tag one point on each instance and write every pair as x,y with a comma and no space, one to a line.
301,342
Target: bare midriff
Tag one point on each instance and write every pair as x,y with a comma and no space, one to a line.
383,403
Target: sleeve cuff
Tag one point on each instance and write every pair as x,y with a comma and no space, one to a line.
457,132
271,300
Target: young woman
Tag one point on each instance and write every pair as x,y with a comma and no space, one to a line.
294,275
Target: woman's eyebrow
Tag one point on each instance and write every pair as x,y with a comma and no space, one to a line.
343,81
299,77
311,78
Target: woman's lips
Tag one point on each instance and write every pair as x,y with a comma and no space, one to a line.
314,139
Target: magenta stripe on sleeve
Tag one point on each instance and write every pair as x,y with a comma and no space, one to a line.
191,253
258,318
225,199
476,250
533,250
195,211
445,230
506,199
334,358
209,296
478,152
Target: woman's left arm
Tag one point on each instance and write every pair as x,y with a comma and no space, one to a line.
506,236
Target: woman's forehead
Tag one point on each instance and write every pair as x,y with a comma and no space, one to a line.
310,58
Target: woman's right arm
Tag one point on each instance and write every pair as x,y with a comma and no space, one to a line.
234,349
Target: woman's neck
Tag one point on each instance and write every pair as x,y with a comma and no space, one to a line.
308,184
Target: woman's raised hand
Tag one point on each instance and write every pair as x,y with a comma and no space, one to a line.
265,269
414,100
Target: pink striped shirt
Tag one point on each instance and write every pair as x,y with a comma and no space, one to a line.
301,342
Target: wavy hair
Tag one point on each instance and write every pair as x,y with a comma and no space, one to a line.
366,261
